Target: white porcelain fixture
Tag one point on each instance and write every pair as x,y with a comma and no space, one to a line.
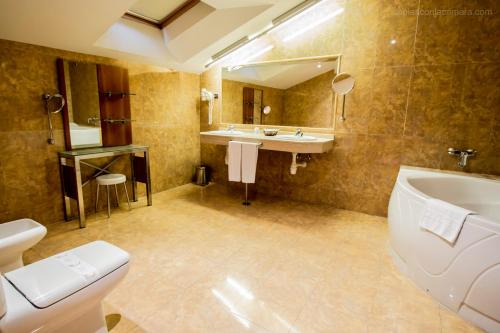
292,137
227,132
15,238
318,143
63,293
464,276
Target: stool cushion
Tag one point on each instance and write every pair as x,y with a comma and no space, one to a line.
111,179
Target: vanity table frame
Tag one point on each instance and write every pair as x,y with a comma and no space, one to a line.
71,177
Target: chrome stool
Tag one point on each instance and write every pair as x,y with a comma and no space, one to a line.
108,180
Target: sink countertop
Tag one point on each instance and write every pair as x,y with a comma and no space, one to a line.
323,142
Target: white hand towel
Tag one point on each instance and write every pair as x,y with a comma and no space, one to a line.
444,219
249,156
234,163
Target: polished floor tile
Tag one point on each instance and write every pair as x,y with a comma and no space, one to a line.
202,262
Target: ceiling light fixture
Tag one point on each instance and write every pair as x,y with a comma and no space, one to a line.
313,25
287,16
294,14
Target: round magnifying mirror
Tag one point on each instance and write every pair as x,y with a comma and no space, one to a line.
342,83
266,110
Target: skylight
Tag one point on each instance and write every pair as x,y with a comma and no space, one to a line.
155,10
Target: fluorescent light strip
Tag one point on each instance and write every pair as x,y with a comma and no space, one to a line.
298,15
278,21
261,52
313,25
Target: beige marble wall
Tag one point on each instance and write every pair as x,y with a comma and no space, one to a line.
436,87
165,110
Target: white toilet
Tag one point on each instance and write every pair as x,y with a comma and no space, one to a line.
15,238
62,293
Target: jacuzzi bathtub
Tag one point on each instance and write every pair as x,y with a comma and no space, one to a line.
464,276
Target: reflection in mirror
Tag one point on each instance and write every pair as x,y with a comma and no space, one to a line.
292,92
82,96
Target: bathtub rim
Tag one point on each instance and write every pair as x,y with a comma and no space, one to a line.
406,172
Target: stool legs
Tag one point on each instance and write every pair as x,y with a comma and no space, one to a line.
109,207
116,193
108,198
126,193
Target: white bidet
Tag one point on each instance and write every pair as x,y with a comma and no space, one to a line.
62,293
15,238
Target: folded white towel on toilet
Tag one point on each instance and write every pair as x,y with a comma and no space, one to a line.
234,161
249,156
444,219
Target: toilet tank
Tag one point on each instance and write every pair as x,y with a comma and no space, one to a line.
50,280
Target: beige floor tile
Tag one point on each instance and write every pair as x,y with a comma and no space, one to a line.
202,262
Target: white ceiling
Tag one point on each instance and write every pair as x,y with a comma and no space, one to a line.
96,27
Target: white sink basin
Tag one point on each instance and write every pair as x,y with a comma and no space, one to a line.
226,132
296,138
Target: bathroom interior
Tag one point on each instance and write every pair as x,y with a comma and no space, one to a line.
250,166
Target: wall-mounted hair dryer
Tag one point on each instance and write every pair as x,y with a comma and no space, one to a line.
208,96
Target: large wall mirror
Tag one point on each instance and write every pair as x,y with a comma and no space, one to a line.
82,96
97,111
290,92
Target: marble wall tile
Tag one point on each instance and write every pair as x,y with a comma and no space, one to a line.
165,113
436,86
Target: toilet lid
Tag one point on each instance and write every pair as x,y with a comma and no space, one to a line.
50,280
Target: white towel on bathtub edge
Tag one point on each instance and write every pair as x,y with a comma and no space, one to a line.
444,219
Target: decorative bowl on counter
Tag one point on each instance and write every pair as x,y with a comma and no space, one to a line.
271,131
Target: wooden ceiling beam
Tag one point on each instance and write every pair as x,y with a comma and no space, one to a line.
178,12
132,17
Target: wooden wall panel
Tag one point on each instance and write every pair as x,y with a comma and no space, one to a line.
114,102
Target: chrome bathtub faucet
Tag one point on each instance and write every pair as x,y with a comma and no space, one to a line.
463,155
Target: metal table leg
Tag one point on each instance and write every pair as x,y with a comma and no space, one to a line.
66,201
79,190
132,178
148,178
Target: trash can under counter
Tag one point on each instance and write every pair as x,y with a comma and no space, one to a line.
201,176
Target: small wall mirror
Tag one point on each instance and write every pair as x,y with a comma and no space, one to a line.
290,92
343,83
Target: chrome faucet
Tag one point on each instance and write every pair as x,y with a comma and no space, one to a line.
230,128
463,155
299,132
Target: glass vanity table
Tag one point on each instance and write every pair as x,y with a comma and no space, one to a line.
97,123
71,177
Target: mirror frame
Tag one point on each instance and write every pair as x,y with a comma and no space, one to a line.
331,57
